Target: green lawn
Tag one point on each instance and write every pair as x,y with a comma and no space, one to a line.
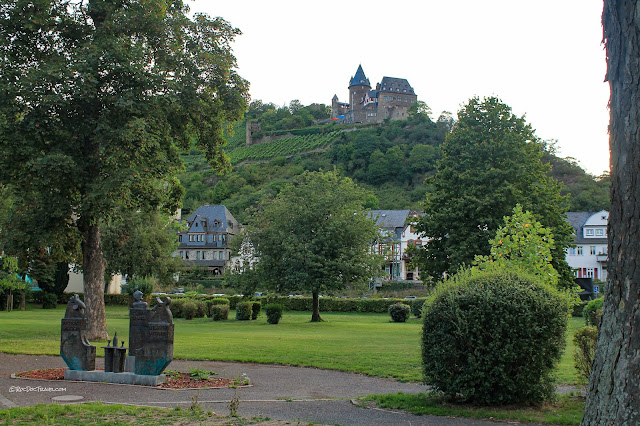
363,343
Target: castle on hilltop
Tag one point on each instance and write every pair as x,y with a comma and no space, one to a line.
391,99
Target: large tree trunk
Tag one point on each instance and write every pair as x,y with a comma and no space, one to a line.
315,308
93,267
614,388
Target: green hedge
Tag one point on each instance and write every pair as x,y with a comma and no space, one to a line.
327,304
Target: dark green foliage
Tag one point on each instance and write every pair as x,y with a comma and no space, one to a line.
144,284
188,308
215,301
491,161
49,301
219,312
585,340
244,311
416,307
314,236
593,312
493,337
399,312
255,310
273,312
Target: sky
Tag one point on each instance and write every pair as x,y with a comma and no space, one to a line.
543,58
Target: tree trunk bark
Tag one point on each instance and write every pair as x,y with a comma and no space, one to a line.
614,387
315,309
23,301
93,267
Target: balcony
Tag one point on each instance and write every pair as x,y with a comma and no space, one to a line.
602,258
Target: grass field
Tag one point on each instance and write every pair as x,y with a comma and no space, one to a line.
356,342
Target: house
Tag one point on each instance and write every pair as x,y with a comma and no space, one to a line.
399,235
588,258
206,242
391,99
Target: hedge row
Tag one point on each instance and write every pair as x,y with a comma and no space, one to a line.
327,304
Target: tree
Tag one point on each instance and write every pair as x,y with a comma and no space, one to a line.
141,244
614,389
525,243
314,236
96,97
490,162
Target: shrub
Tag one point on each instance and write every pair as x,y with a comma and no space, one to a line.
188,308
220,312
255,310
493,336
144,284
416,307
593,312
399,312
49,301
274,312
585,339
243,311
215,301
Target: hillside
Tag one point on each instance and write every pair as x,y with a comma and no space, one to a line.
391,160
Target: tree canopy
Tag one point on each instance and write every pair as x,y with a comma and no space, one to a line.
490,162
522,241
96,98
314,236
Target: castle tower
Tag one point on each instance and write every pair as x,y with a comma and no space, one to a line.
359,86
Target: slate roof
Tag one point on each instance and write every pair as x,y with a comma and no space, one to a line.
577,221
359,79
390,220
396,85
210,213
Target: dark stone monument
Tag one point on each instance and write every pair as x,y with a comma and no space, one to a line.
75,349
114,356
150,336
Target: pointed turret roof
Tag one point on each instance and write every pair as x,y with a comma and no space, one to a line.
359,79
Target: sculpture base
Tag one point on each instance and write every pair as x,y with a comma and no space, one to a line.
120,378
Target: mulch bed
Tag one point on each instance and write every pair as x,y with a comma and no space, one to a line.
174,381
184,381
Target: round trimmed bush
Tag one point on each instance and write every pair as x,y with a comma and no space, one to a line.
416,307
219,312
493,337
274,312
244,310
255,310
49,301
593,312
215,301
399,312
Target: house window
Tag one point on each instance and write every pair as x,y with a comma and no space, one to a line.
221,254
589,232
579,248
186,255
571,251
599,232
198,255
589,273
181,255
179,238
592,250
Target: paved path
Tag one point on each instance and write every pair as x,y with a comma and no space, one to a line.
278,392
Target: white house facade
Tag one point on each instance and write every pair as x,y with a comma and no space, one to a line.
399,235
588,258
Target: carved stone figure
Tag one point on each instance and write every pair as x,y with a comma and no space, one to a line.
75,349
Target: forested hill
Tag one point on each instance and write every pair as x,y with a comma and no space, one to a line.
392,160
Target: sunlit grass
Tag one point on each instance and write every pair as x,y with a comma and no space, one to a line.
355,342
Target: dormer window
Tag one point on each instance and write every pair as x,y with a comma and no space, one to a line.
589,232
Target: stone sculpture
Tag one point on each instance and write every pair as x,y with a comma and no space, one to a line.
150,336
75,349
